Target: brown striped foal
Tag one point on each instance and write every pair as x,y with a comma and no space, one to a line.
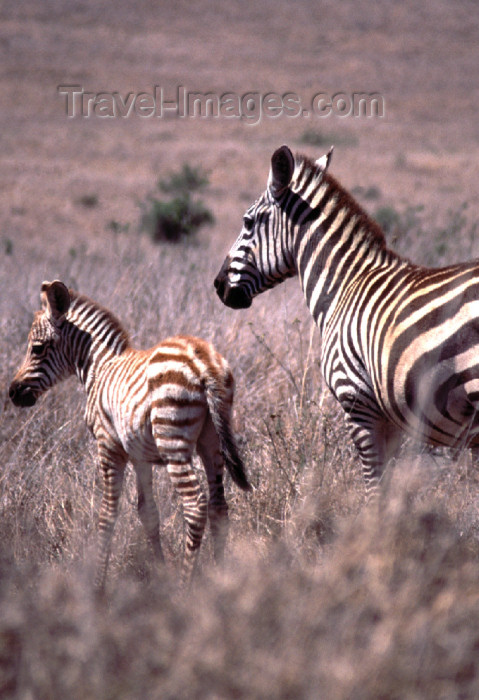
147,406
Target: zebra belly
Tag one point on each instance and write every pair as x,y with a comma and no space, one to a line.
427,365
141,447
132,429
438,403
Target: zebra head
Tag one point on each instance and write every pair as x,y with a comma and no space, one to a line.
261,256
45,362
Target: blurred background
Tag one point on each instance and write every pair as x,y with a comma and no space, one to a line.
421,59
319,598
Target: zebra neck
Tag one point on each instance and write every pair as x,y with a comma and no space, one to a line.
335,244
95,336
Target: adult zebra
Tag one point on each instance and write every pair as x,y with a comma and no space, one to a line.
150,406
400,342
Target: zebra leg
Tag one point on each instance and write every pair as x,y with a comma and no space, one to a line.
377,441
112,464
208,448
147,509
194,506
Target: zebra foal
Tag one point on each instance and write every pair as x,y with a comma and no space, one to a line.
147,406
400,342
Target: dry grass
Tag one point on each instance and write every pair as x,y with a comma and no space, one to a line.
319,598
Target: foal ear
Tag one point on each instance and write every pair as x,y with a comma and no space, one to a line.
324,161
55,299
281,172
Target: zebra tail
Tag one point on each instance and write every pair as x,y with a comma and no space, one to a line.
221,420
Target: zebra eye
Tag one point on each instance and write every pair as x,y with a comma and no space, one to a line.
248,224
38,348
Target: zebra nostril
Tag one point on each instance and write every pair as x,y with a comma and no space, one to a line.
22,395
236,298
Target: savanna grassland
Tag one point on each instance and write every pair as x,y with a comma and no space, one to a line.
319,597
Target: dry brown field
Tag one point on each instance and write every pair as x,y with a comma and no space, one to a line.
319,597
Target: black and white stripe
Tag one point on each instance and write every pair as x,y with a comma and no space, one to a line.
400,343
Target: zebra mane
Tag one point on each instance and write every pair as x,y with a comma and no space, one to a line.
308,168
97,316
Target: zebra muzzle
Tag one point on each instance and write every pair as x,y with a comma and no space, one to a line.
22,395
233,296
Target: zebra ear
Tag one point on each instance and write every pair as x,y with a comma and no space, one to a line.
55,299
282,168
324,161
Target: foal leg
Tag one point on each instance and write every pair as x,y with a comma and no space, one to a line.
147,509
194,506
112,464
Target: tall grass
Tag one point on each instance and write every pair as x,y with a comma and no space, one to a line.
319,596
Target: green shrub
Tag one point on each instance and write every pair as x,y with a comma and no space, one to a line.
388,219
371,192
117,227
187,180
182,215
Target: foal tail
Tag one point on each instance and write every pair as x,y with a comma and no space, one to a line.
219,395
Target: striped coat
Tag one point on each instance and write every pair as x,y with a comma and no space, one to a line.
399,341
148,406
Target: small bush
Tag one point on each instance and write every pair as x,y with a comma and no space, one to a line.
388,218
371,192
311,137
117,227
88,201
186,180
180,216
